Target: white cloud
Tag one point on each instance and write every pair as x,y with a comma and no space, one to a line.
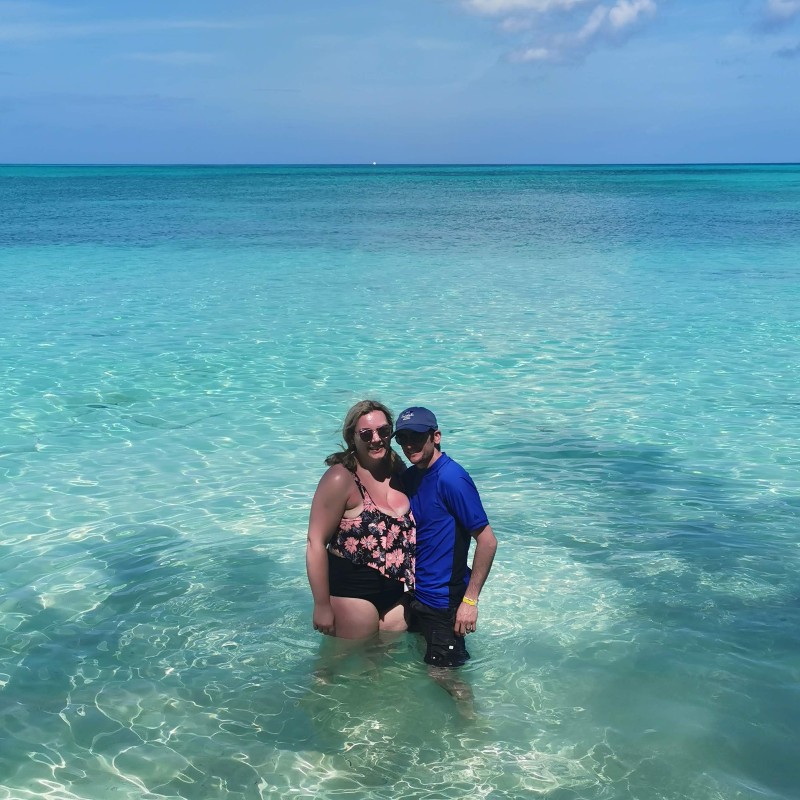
535,54
776,15
561,30
627,12
515,24
781,11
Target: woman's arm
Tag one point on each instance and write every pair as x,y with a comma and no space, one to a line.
327,509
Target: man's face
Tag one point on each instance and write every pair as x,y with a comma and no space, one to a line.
419,448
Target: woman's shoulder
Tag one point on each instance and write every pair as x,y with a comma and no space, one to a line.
337,479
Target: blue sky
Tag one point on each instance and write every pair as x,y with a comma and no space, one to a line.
399,81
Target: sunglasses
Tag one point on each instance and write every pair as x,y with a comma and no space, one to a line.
384,432
411,437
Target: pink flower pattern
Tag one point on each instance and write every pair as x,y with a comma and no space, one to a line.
394,558
378,540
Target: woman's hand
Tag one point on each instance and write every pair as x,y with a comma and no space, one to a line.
323,619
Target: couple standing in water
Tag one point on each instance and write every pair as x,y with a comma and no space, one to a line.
377,529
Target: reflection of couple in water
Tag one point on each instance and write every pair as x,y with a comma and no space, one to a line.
377,529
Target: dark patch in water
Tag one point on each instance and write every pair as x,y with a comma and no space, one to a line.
162,424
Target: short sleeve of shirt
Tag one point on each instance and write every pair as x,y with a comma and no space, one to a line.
462,498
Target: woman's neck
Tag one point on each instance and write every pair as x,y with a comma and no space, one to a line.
380,471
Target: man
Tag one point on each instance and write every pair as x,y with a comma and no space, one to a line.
449,514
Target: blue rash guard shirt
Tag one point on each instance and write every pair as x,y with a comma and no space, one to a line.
447,509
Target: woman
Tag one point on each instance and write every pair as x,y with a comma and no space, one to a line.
361,535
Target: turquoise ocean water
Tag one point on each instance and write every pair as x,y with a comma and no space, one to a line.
612,352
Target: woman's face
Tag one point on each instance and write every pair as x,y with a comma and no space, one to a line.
372,436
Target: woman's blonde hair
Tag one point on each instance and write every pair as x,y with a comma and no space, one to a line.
347,457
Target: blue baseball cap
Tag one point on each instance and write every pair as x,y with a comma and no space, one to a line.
417,419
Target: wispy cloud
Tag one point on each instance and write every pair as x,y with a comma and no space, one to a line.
178,58
25,7
433,45
73,100
778,13
774,17
515,6
27,22
789,52
559,31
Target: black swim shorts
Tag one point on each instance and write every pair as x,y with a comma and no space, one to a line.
444,648
347,579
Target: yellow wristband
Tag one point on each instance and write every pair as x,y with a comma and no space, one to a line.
469,601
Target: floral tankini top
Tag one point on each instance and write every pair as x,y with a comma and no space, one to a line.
378,540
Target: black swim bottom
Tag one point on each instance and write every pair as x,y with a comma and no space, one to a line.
347,579
445,649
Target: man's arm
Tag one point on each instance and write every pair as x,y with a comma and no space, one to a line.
485,548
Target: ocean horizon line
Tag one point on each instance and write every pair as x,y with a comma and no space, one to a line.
403,164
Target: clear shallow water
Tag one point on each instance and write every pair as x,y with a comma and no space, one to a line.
613,353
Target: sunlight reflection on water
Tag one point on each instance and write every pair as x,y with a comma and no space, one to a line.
623,392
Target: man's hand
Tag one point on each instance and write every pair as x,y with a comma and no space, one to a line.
466,619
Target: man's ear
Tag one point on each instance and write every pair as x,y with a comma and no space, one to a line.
437,437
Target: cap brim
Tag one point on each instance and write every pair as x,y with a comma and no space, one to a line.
413,429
